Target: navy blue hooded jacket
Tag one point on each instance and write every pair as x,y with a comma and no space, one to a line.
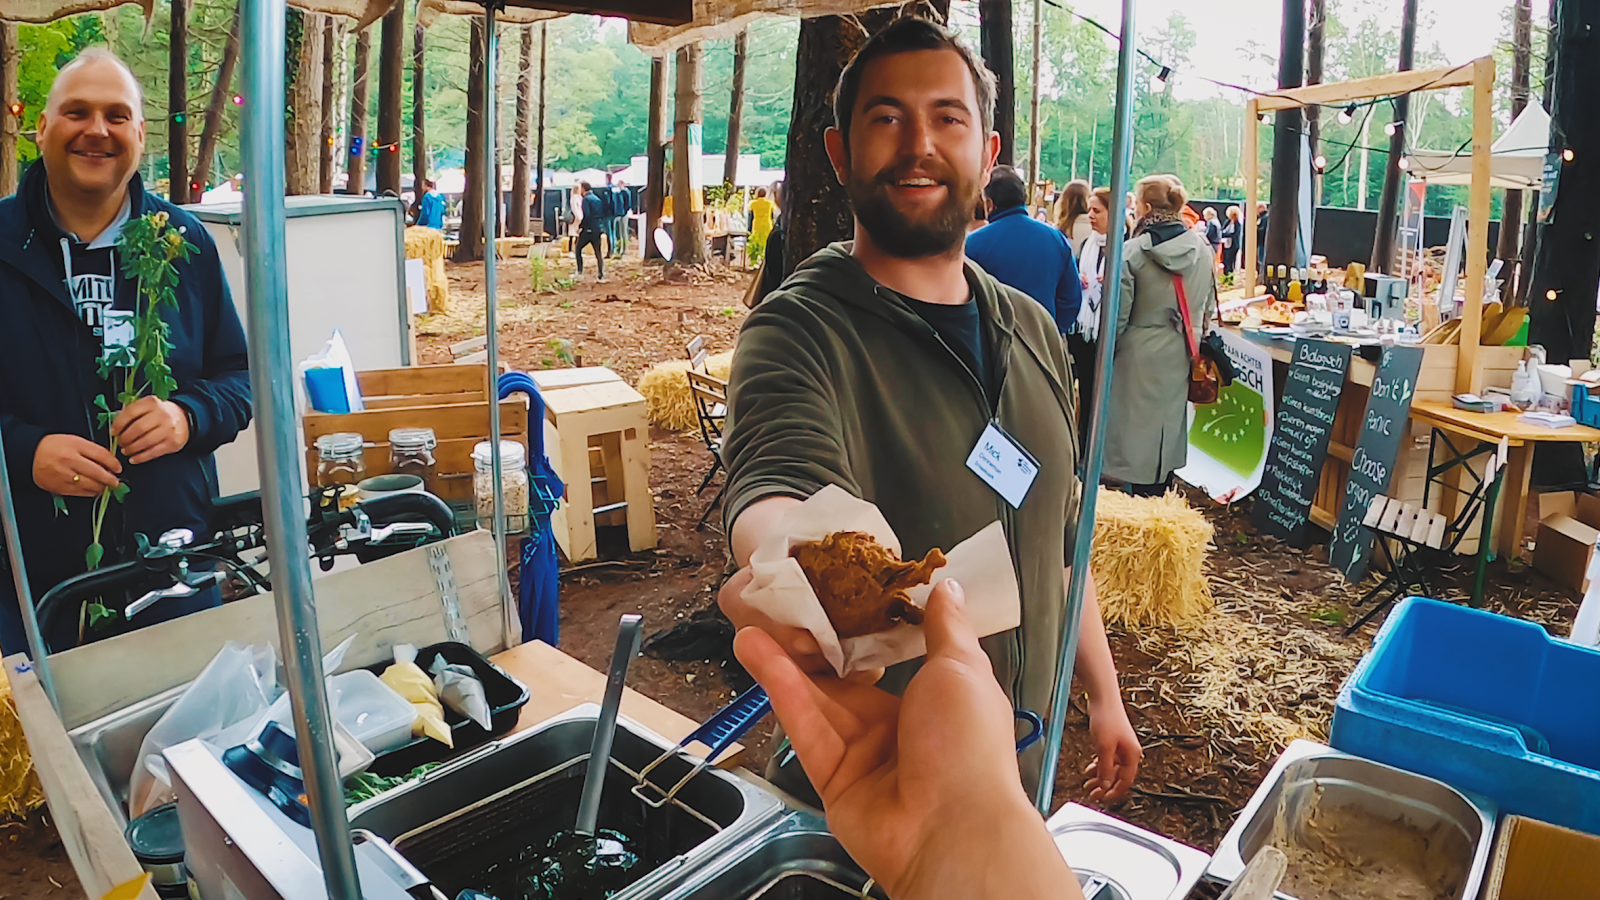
48,382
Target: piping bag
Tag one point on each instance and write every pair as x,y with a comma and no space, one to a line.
410,682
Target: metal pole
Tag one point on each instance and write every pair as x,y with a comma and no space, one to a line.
19,577
1121,162
491,207
1034,178
277,438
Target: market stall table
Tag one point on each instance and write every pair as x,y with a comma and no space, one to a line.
1520,437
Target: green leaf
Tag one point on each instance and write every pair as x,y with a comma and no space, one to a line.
99,613
100,401
120,491
60,504
104,419
93,555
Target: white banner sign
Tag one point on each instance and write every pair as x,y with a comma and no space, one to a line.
1228,439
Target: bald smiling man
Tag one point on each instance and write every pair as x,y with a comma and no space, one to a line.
60,274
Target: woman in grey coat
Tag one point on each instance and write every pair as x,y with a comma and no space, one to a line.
1147,433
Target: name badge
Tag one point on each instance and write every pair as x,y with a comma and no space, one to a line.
117,337
1003,464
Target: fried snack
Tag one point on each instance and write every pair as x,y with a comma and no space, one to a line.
861,584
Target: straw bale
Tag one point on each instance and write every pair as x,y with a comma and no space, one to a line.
715,19
666,390
1148,559
19,785
427,244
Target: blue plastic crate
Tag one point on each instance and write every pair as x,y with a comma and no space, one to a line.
1585,408
1486,703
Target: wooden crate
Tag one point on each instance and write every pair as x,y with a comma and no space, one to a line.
439,397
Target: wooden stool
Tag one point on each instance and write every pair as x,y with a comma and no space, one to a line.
548,380
608,420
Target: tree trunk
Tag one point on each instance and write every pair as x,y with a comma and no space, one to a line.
688,227
994,37
1566,271
419,88
1315,46
517,215
1511,217
730,161
471,247
1530,231
178,103
538,181
816,210
332,33
1389,201
304,139
1034,178
360,84
10,125
391,72
221,94
1283,224
655,189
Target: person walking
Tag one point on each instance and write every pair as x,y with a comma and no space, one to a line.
1213,234
621,213
1147,435
1023,252
1232,234
591,230
430,206
1072,214
762,211
62,286
881,364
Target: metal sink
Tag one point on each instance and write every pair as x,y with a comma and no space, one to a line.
1310,775
489,807
1118,861
795,859
109,746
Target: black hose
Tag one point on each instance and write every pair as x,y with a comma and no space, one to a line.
410,506
65,598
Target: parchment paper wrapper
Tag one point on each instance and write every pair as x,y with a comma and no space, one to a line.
981,563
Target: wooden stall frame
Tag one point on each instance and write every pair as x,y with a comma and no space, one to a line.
1478,75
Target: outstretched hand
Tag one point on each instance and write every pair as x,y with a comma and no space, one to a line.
922,790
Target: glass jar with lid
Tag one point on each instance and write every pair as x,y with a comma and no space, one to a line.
411,453
513,483
340,459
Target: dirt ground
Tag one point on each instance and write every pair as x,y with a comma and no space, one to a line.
1213,704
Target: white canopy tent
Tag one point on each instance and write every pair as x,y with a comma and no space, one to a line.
1516,160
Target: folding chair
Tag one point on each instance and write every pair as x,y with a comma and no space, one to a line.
711,408
1425,541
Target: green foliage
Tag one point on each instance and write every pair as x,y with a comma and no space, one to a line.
60,503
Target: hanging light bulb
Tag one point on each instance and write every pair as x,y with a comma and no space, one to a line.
1550,295
1391,128
1321,162
1405,163
1159,83
1566,154
1266,118
1347,114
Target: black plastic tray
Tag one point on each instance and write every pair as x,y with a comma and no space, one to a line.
505,694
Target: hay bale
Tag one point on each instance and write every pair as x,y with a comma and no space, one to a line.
1148,559
427,244
666,390
19,785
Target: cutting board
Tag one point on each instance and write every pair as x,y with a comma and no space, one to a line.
557,682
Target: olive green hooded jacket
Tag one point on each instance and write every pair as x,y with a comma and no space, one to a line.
836,380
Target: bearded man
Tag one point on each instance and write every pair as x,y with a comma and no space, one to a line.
881,363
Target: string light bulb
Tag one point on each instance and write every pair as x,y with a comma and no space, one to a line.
1391,128
1405,163
1550,295
1159,83
1347,114
1321,162
1567,154
238,99
1266,118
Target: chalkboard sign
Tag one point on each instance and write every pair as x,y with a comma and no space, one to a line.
1383,428
1300,439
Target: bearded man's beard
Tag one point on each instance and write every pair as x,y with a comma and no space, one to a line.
893,232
